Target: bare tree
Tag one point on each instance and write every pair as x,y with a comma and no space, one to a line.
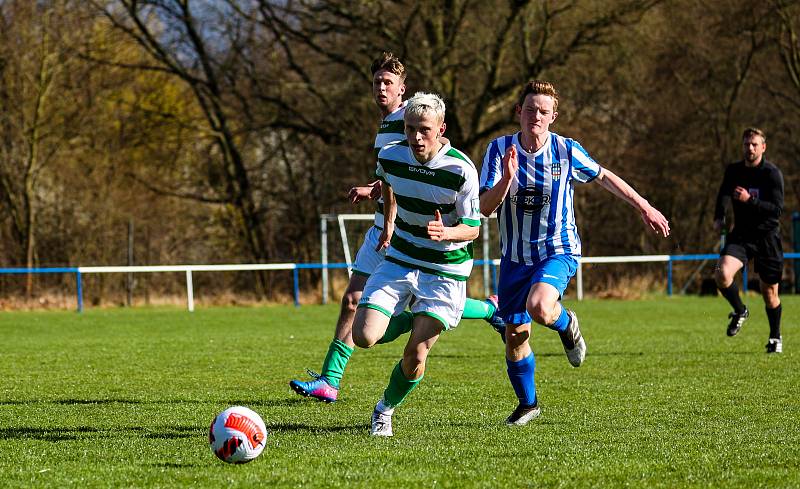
37,119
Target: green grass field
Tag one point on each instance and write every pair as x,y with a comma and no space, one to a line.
123,398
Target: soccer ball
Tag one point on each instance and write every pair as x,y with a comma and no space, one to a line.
237,435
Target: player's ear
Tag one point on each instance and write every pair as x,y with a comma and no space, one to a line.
555,114
442,129
518,110
402,88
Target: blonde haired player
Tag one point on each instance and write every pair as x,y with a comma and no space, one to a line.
430,193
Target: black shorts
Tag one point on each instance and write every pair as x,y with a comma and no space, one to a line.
767,250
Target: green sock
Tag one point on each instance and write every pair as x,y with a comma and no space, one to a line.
398,325
399,387
335,361
475,309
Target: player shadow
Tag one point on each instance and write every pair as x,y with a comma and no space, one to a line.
500,423
265,403
174,465
96,401
311,429
171,432
46,434
80,432
15,402
672,353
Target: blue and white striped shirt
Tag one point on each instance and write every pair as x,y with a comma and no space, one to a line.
537,217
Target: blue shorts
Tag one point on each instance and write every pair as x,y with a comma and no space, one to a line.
516,280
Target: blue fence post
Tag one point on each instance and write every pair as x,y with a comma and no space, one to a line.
796,248
296,277
669,276
79,281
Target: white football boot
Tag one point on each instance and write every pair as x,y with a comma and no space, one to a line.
381,424
572,336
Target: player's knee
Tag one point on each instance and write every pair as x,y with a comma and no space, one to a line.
770,295
350,301
361,336
361,339
541,313
413,365
722,278
517,335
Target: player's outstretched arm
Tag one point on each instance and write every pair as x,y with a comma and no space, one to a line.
491,199
369,191
651,216
389,214
437,231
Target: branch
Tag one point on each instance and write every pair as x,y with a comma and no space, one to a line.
173,193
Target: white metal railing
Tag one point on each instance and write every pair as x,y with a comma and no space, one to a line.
295,267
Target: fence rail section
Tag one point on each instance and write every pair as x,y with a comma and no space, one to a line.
295,267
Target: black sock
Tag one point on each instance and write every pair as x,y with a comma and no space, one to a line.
774,317
731,293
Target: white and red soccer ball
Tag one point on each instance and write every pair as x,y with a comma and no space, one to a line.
237,435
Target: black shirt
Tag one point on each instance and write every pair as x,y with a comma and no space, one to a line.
760,214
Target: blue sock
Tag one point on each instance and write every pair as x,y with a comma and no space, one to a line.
562,322
521,374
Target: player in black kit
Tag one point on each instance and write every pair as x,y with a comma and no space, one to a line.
754,187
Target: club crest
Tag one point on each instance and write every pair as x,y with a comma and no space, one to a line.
555,169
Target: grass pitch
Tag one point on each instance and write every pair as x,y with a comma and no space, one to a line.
124,398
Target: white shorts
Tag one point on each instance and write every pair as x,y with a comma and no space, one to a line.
391,285
367,259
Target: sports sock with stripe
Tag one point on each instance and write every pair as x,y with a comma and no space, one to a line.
336,361
475,309
562,321
399,386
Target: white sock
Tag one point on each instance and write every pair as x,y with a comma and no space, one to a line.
384,408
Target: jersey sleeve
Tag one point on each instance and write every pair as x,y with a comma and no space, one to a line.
771,205
583,168
723,200
491,170
467,202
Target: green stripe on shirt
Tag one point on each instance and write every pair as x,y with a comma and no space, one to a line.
394,127
451,257
419,206
460,278
470,222
414,230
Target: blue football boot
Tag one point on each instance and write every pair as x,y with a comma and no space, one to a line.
319,388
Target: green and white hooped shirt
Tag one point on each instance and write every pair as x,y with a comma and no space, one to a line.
449,183
392,130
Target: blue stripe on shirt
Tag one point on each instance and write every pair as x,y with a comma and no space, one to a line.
522,176
507,216
554,198
536,218
491,174
568,206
